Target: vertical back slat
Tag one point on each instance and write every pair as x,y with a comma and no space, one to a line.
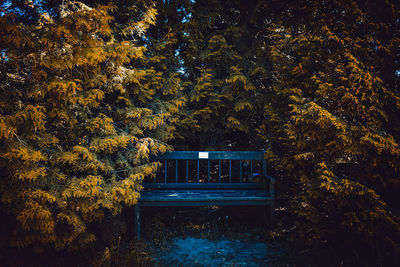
198,170
187,171
176,171
230,171
208,170
264,167
251,169
165,171
246,172
219,171
241,171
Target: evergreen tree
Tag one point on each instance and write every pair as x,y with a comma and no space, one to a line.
224,59
332,122
80,114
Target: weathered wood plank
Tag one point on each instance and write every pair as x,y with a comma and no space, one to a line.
199,199
198,170
165,170
208,170
178,203
219,171
202,185
187,171
223,155
176,171
203,195
241,171
230,171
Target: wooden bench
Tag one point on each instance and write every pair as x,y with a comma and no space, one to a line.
183,181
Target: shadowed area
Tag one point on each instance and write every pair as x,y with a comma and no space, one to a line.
204,252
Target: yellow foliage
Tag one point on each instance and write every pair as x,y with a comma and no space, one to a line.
233,121
36,217
102,124
30,174
86,110
24,154
244,105
381,144
91,99
239,82
111,144
6,131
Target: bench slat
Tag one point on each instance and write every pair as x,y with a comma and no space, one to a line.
213,155
179,203
219,171
203,197
187,171
182,194
195,186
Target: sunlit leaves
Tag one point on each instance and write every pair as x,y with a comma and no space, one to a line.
82,112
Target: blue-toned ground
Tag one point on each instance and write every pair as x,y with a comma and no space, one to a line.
192,251
210,236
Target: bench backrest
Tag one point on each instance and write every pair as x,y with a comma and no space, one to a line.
176,166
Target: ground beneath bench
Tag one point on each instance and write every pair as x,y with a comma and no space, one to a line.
191,251
209,236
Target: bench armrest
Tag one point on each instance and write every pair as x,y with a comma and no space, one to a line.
271,179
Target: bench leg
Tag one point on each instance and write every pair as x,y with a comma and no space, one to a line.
272,214
137,221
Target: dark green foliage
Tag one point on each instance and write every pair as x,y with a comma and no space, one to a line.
312,83
226,69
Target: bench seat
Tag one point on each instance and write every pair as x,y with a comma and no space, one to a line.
204,197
